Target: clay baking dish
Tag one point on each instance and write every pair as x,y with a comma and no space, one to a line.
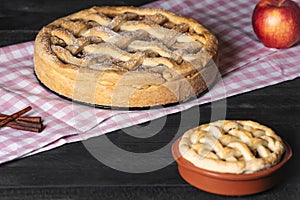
229,184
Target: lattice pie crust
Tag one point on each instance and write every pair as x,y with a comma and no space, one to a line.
230,146
126,57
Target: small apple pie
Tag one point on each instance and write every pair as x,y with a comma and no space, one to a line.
126,57
230,146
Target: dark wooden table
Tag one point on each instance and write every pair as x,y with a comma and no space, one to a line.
71,172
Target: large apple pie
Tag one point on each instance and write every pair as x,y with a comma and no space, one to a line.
126,57
231,146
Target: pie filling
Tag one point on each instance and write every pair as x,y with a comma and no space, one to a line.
229,146
155,44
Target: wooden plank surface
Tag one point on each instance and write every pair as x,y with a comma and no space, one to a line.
71,172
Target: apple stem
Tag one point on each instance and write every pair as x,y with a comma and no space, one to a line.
280,3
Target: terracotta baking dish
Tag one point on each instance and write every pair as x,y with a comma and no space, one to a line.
229,184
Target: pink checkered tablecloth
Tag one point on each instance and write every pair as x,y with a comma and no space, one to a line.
246,65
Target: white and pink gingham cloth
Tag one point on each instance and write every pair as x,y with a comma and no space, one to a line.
246,65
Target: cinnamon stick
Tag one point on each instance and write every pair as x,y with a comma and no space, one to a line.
15,125
29,119
25,123
23,118
28,124
14,116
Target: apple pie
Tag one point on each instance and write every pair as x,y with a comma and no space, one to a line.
232,146
126,57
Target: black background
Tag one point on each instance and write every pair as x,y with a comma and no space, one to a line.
70,172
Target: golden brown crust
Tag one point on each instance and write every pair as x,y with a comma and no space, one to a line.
232,146
68,50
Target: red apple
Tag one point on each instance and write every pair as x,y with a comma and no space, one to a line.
277,23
